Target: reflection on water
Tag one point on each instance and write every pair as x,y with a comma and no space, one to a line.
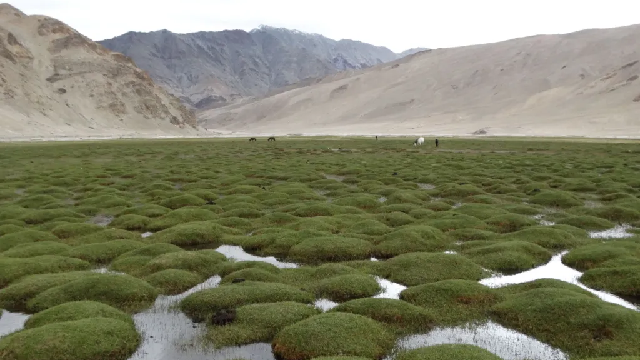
618,232
325,304
555,269
505,343
390,290
166,332
11,322
237,253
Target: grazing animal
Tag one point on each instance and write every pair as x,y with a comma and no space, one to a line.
253,139
419,141
437,142
271,139
237,280
223,317
395,174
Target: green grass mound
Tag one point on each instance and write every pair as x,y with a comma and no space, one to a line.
458,191
509,257
131,222
36,217
481,211
76,310
251,274
15,296
330,248
448,352
86,339
146,210
464,235
453,302
204,263
509,223
314,224
172,281
409,239
67,231
365,202
194,234
36,249
318,209
421,268
548,237
587,222
14,269
260,323
103,253
543,284
180,216
623,281
230,267
333,334
395,219
452,221
123,292
201,305
181,201
369,227
347,287
400,315
278,219
102,237
36,201
579,324
617,213
10,228
24,237
556,198
592,256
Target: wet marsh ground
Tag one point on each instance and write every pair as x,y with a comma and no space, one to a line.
514,249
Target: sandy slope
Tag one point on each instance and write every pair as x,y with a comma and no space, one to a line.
579,84
56,82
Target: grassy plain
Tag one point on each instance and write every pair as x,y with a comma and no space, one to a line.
438,220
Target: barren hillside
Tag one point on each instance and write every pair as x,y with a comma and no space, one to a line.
581,84
56,82
213,68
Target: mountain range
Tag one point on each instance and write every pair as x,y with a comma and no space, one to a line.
215,68
585,83
56,82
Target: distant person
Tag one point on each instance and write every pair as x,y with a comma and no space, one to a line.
436,142
376,137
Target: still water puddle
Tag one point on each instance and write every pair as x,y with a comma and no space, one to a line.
325,304
618,232
166,332
503,342
334,177
11,322
542,221
390,290
102,220
424,186
555,269
237,253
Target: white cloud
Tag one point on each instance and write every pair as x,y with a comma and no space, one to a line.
397,24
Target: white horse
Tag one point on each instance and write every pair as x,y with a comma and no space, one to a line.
419,141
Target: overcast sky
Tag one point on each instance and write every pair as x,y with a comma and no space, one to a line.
396,24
